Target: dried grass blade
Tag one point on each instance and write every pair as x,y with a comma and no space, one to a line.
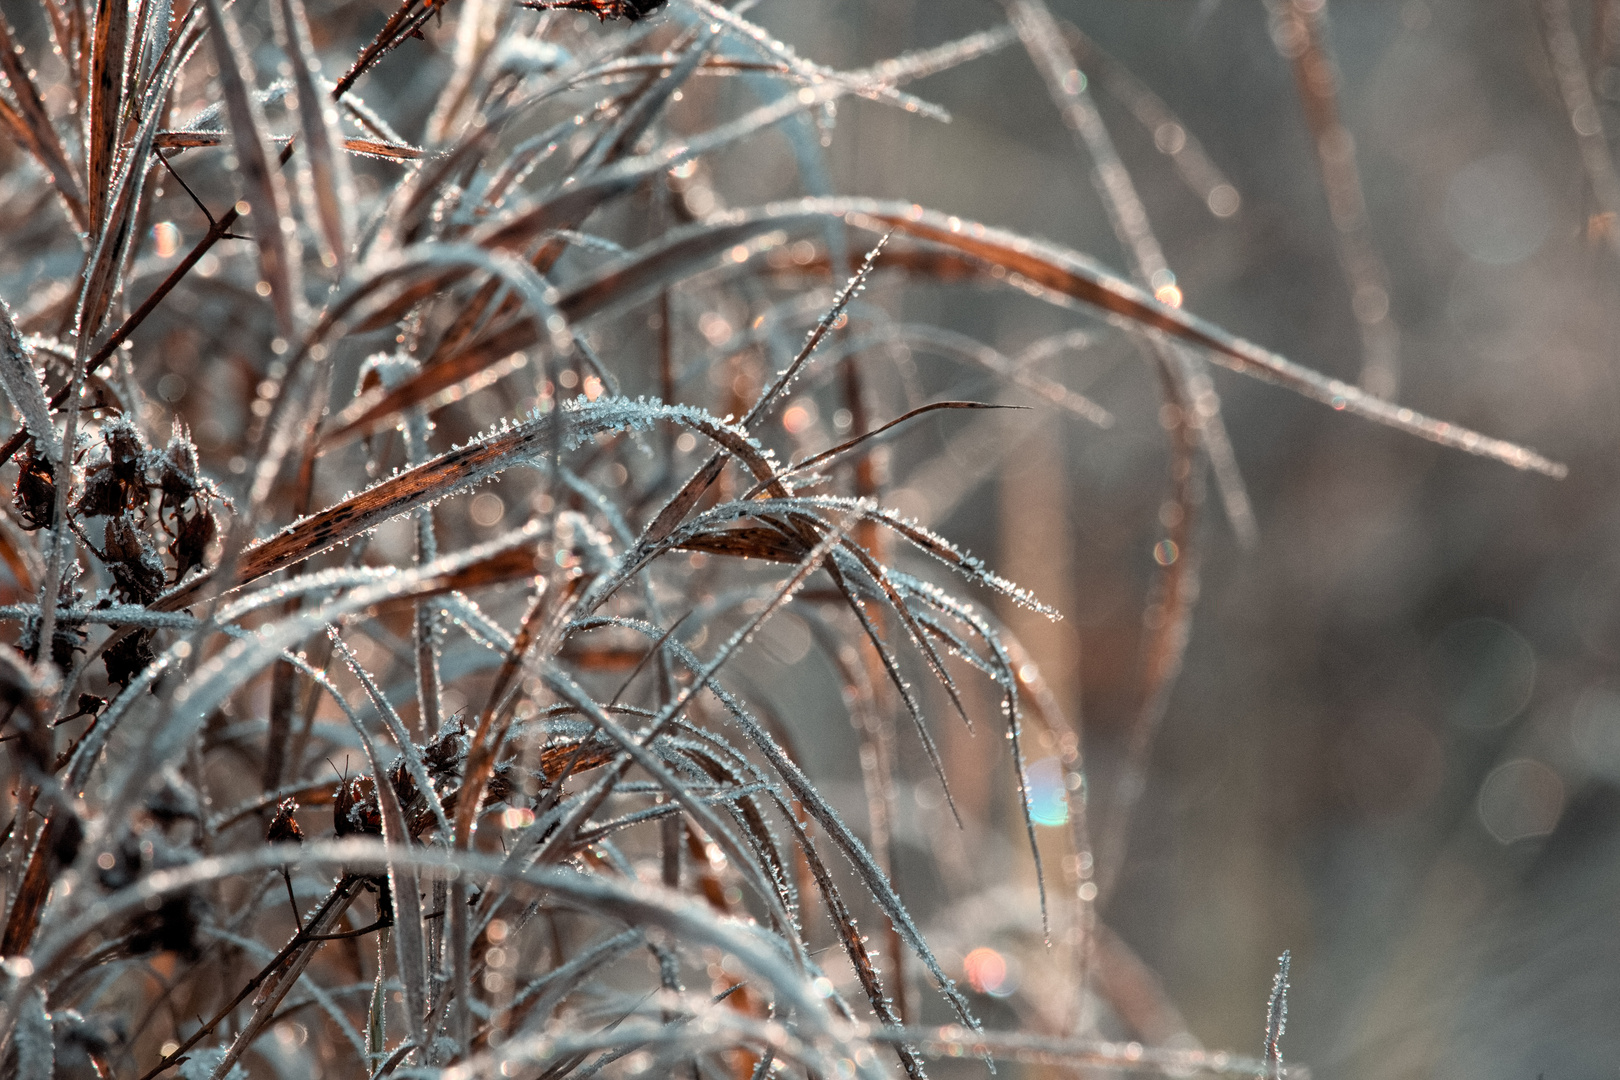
812,73
381,148
111,243
1300,31
371,412
877,433
931,61
646,109
1564,49
683,501
636,751
854,943
283,978
35,1047
866,867
571,206
151,39
22,385
1172,137
977,352
61,28
398,24
596,894
510,666
1063,272
325,181
784,378
33,887
106,101
891,663
410,938
675,511
1277,1019
443,476
476,35
813,559
42,137
746,542
267,195
225,672
1044,42
943,1042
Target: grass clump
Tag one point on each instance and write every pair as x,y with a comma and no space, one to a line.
401,488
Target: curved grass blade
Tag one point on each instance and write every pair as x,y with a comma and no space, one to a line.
410,937
22,385
35,130
106,100
1061,271
325,180
278,245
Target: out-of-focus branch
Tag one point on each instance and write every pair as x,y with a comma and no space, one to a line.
1172,137
1191,412
1576,89
1299,30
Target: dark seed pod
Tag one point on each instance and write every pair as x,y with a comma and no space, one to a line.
67,641
499,787
35,497
124,452
178,474
443,756
134,564
104,495
173,925
129,656
171,928
284,826
196,531
354,808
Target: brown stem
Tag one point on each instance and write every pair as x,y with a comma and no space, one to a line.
305,936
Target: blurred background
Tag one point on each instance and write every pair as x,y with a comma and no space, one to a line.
1395,745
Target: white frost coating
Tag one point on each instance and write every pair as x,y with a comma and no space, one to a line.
202,1063
529,442
22,384
36,1047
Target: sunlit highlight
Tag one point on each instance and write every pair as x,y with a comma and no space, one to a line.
165,239
988,973
1048,797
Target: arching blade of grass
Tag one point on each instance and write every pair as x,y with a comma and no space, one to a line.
266,192
325,178
1036,263
106,100
22,386
33,128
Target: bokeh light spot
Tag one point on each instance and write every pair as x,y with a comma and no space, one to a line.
987,972
1520,800
1048,794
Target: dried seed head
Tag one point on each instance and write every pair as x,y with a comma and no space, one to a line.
196,531
354,808
133,561
35,497
444,755
129,656
284,826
